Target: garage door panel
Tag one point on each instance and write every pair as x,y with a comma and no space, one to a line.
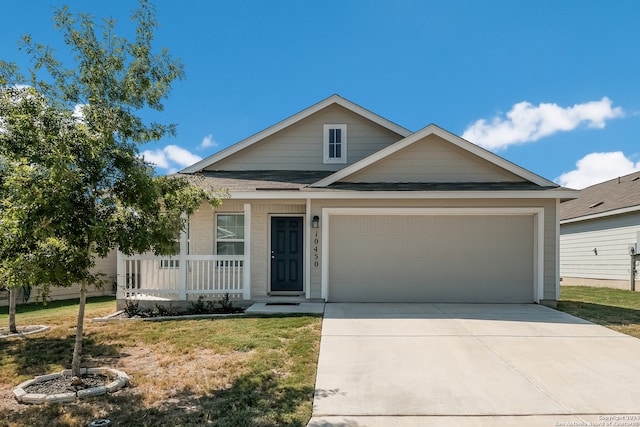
434,258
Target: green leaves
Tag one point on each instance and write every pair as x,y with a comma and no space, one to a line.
72,183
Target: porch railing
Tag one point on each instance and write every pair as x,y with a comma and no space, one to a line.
182,276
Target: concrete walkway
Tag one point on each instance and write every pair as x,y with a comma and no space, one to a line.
472,365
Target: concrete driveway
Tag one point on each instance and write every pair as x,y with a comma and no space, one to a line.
472,365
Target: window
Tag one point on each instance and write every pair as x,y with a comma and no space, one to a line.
169,263
335,143
230,234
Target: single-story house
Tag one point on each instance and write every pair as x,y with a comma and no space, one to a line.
336,203
599,234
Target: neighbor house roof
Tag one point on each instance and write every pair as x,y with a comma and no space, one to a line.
611,197
333,99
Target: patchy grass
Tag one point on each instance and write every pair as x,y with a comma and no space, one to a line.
240,371
616,309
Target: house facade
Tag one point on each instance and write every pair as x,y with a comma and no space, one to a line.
599,235
105,266
336,203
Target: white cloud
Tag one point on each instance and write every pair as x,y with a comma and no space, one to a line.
78,113
595,168
207,142
171,158
526,122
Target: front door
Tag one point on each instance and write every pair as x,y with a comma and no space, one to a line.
286,254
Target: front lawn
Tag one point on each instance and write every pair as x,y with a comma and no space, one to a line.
241,371
616,309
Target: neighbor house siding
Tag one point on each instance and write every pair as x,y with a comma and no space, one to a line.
107,266
300,146
609,236
432,159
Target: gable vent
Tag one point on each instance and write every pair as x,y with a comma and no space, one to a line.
595,205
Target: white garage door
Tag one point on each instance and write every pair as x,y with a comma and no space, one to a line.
431,258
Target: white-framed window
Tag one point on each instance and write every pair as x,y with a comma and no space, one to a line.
335,143
229,234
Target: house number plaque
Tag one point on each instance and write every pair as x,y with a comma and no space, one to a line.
316,255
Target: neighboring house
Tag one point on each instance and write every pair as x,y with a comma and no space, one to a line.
106,266
336,203
597,232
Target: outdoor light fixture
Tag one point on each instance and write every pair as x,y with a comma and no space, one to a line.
315,222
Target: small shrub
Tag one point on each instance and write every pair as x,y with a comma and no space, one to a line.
226,303
131,308
199,306
161,310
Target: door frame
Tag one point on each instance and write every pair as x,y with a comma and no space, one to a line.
304,253
535,211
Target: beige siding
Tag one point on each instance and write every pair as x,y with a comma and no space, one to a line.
432,159
300,146
610,236
431,258
550,273
202,237
202,232
106,266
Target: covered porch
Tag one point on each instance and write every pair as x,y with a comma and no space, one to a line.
182,277
190,274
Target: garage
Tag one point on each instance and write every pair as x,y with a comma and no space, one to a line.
382,255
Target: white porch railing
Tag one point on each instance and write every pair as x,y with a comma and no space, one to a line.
182,276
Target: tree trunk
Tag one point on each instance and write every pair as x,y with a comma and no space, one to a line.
12,310
77,350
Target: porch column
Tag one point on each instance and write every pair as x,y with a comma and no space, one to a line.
120,276
246,273
182,262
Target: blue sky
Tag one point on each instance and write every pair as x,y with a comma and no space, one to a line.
553,86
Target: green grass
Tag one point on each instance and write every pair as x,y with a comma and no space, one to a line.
240,371
616,309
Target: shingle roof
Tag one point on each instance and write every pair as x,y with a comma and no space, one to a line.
287,180
437,186
618,193
256,180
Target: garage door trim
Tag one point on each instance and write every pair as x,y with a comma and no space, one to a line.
538,238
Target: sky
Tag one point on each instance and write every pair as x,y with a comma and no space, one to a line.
553,86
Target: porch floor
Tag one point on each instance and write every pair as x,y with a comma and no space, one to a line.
286,307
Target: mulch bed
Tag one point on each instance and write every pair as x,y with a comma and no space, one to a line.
63,384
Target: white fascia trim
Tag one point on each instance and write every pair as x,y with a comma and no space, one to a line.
602,215
447,136
537,212
307,249
523,210
315,195
333,99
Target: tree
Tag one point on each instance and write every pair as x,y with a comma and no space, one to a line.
73,183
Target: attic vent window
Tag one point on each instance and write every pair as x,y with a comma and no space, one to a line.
595,205
335,143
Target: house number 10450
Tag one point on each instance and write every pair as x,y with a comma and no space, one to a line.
316,256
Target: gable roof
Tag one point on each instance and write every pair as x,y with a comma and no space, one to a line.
333,99
616,196
448,136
